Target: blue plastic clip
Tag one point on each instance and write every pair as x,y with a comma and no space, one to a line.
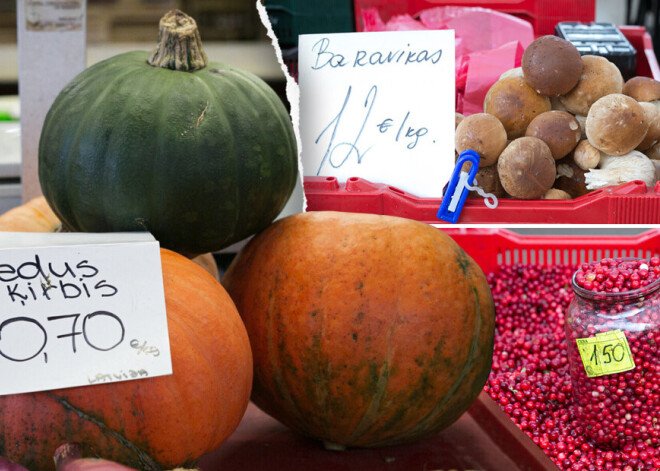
456,192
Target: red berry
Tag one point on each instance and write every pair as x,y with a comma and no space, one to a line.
530,375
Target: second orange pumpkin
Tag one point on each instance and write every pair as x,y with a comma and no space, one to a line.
366,330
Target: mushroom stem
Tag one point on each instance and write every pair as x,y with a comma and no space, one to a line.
615,170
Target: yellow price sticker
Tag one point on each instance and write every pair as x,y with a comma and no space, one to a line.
605,354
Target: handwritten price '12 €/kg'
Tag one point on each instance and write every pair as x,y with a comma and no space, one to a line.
344,141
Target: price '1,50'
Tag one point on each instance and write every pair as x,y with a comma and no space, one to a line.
24,338
606,353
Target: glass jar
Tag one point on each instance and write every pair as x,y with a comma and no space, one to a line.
612,345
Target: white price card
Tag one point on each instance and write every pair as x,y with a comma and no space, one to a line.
379,105
80,309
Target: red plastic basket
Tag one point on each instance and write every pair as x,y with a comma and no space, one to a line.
542,14
631,203
491,248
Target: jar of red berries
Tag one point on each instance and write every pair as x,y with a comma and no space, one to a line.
613,335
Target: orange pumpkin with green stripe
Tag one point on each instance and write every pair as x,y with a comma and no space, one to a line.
153,423
365,330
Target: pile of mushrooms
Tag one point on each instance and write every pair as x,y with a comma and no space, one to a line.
562,125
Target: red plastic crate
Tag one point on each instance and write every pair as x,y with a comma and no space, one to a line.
542,14
631,203
491,248
484,438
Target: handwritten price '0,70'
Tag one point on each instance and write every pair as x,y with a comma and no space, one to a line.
340,149
39,335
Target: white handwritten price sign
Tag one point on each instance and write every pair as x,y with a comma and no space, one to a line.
379,106
78,309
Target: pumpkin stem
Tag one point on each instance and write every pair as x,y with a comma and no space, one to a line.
179,44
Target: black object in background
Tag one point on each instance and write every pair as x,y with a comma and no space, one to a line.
601,39
290,18
645,13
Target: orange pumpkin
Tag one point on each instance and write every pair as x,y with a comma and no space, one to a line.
208,263
366,330
154,423
33,216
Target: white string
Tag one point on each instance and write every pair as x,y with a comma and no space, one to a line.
490,200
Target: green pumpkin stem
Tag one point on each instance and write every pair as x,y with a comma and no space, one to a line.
179,44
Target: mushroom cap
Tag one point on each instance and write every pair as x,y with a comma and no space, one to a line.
582,121
642,89
459,118
653,152
558,129
616,124
599,77
652,115
556,194
556,104
585,155
515,104
515,72
526,168
551,65
483,133
570,178
488,180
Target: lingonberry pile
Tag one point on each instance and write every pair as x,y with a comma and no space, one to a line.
531,379
617,275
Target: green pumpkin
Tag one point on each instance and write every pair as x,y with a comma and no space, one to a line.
202,156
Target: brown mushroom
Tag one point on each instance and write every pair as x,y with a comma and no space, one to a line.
515,104
555,104
526,168
585,155
616,124
558,129
599,77
653,152
642,89
515,72
570,178
483,133
652,115
459,118
488,180
551,65
582,121
556,194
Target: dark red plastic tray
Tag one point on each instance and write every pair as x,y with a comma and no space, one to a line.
483,439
